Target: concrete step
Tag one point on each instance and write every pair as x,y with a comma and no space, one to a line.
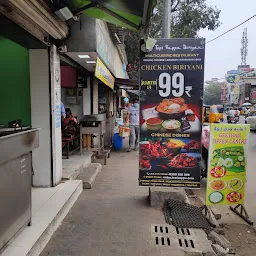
49,208
73,166
89,174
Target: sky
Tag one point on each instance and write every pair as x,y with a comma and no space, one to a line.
224,53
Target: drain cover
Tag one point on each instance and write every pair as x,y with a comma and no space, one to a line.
192,241
183,215
168,235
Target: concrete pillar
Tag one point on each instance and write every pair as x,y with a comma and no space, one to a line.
95,96
56,116
40,116
87,98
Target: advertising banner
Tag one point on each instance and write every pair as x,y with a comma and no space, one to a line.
171,90
253,95
227,164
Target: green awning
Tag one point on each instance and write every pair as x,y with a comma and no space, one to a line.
132,14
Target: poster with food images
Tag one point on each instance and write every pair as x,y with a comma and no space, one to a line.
227,164
171,90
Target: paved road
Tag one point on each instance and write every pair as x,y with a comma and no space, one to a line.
250,194
111,219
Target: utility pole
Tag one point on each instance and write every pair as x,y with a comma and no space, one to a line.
167,19
244,48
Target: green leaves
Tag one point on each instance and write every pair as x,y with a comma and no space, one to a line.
212,94
188,17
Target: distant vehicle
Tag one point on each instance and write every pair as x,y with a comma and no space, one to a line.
229,108
251,120
221,112
243,110
237,113
232,116
210,114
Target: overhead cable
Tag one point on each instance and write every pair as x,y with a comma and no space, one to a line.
231,29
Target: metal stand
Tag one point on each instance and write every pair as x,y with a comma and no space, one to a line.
241,212
208,214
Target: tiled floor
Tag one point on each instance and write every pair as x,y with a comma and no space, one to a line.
113,218
47,204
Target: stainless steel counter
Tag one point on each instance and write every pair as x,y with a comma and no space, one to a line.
13,145
15,181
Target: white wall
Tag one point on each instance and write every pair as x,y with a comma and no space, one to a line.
40,116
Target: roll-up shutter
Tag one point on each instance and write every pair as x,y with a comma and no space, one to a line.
36,17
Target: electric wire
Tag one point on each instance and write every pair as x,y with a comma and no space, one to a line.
231,29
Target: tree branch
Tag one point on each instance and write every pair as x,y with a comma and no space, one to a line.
175,6
190,2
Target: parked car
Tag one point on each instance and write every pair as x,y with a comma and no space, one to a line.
251,120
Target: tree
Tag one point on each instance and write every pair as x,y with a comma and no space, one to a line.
188,17
212,94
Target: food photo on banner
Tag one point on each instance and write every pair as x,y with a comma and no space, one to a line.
171,90
227,164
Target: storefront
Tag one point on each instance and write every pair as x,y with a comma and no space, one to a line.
29,95
106,102
75,87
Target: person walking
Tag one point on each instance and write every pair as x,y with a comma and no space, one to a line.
205,150
133,118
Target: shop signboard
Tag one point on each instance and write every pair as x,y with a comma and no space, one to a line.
233,72
227,164
103,74
171,82
253,95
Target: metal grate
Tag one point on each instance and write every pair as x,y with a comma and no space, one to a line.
168,235
183,215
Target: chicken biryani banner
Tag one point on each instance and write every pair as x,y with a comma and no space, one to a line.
171,90
227,164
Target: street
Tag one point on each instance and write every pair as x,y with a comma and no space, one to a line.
250,203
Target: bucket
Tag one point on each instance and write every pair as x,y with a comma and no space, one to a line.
117,141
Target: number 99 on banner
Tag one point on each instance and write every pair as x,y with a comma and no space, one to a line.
171,85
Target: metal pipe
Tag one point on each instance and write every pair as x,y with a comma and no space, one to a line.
167,19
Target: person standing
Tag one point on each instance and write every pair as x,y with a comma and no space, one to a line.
133,117
69,117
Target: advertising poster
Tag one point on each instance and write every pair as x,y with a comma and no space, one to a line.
253,95
171,90
227,164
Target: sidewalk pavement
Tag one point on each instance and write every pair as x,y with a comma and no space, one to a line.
113,218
